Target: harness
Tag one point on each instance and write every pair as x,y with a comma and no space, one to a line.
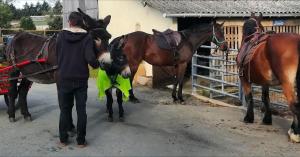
40,58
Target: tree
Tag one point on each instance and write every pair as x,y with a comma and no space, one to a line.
16,13
5,15
55,23
38,9
45,8
57,9
27,23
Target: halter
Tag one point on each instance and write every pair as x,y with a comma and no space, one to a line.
214,37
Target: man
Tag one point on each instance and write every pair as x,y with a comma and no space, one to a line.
75,50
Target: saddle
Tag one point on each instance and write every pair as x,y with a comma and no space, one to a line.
168,39
248,48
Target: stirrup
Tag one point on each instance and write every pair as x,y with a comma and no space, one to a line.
241,73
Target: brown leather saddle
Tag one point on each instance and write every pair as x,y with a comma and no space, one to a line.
248,48
167,39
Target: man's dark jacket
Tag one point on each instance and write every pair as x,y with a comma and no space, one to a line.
75,50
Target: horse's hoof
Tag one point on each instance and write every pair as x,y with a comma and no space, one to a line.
267,121
28,118
12,120
248,119
134,100
110,119
121,119
175,100
295,138
181,101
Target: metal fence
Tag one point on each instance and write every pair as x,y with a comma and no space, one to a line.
222,81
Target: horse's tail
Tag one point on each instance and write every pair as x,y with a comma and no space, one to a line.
298,72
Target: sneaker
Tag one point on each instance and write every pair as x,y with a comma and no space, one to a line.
62,144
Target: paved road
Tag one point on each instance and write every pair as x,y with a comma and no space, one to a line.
155,127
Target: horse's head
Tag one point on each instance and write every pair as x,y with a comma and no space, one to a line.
119,63
253,25
97,29
218,36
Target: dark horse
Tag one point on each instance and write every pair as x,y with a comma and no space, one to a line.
27,46
142,46
275,61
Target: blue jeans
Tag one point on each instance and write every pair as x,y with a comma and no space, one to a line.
67,91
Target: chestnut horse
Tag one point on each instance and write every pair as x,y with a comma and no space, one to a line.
143,46
275,62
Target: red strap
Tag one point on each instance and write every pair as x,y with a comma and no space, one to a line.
19,65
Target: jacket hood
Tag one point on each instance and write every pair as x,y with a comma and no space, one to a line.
74,34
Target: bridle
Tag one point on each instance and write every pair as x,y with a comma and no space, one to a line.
219,43
214,38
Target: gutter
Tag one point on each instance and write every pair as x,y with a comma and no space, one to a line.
228,15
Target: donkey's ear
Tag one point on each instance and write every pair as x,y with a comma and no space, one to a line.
120,43
79,10
260,16
213,22
222,24
252,14
106,20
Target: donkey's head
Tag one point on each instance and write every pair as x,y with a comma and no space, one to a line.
119,62
97,29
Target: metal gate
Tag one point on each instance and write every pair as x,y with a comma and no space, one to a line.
223,81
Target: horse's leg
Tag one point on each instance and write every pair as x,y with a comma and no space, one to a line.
12,94
132,97
120,103
289,92
174,96
181,72
174,91
109,102
266,100
249,118
23,91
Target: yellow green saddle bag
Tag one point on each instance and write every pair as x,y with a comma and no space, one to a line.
104,82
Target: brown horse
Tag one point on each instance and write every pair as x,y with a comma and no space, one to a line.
26,46
274,61
143,46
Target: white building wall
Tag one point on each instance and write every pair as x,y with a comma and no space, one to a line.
131,15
